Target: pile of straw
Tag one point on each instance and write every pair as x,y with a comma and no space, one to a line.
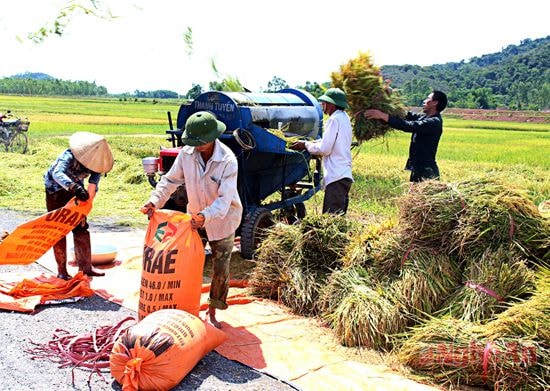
361,245
497,214
323,241
429,213
458,352
427,279
295,261
362,82
360,311
529,318
493,280
272,261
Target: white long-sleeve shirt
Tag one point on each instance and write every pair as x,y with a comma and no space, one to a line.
211,189
334,147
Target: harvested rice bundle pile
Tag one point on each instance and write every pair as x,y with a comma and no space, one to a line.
322,242
529,318
295,261
362,82
496,214
427,279
359,311
271,270
363,243
490,282
457,352
429,213
302,290
389,252
324,239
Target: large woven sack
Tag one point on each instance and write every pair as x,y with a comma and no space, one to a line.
159,351
173,262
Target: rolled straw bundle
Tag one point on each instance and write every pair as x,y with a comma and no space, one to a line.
299,260
456,352
529,318
323,241
271,270
303,288
360,312
361,245
493,280
362,82
496,214
427,279
430,212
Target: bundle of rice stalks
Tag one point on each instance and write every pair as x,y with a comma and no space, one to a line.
271,270
490,282
360,312
389,252
497,214
529,318
323,241
302,289
362,244
427,279
362,82
456,352
429,213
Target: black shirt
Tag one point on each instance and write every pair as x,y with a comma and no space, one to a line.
426,132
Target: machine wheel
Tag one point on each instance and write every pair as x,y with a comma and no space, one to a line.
19,143
252,231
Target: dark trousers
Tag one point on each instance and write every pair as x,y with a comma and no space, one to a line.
423,173
336,199
81,237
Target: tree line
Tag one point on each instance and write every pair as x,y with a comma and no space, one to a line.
517,78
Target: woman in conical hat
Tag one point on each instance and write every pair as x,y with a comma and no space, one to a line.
88,156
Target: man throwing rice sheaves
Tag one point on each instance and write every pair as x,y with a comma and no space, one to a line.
426,131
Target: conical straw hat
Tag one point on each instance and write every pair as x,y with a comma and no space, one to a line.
92,151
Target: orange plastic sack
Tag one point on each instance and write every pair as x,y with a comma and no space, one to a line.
173,262
31,240
159,351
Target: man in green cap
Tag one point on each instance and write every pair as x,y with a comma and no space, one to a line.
208,168
335,149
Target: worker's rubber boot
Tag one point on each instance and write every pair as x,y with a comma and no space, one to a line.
83,254
60,254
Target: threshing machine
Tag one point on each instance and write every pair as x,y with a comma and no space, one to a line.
273,181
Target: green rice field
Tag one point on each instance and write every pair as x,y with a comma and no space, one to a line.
518,153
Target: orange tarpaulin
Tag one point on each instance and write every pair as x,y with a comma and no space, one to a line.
31,240
23,294
261,333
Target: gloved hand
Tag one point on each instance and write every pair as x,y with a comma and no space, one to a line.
148,209
197,220
79,192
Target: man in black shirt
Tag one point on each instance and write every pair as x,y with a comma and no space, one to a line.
426,131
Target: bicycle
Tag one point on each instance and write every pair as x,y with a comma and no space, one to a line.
13,132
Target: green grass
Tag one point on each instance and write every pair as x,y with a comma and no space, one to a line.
137,129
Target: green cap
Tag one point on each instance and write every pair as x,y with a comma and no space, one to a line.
335,96
202,128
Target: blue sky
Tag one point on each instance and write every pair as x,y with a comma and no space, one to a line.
144,48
